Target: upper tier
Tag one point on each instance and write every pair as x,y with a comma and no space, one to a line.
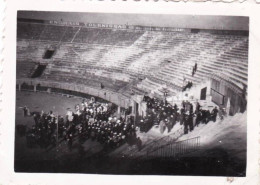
161,57
76,34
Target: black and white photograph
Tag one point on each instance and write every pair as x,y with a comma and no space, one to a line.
131,94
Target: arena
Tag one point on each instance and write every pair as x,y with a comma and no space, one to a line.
120,98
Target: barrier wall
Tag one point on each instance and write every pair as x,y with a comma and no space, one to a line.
112,97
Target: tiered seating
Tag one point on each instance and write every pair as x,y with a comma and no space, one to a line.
148,85
70,33
77,34
84,53
207,51
106,36
236,65
152,52
119,57
163,58
29,30
31,50
27,54
53,33
143,56
24,69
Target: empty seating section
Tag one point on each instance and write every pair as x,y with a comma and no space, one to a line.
53,33
70,34
163,58
29,30
31,50
212,55
106,36
235,66
76,34
24,69
88,54
92,36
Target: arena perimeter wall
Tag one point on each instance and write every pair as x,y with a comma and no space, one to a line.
112,97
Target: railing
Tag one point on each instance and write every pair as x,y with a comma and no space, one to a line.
164,141
175,149
153,145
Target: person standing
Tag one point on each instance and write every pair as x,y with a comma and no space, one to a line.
182,117
168,124
142,125
197,107
162,126
139,143
190,121
214,114
26,111
186,123
198,118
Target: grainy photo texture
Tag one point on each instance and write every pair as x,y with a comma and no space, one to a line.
131,94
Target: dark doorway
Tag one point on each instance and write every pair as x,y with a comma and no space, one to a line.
137,109
203,93
48,54
39,70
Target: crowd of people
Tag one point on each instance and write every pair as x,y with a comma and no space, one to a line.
165,115
96,121
90,120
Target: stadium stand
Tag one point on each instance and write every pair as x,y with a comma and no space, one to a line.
162,58
29,30
164,88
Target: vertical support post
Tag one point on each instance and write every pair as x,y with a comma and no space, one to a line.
134,111
19,87
119,111
34,88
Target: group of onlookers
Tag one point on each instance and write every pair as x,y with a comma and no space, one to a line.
165,115
97,121
90,120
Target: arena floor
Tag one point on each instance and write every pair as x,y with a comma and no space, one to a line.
37,102
215,159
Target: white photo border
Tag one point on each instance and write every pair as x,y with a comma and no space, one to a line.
7,127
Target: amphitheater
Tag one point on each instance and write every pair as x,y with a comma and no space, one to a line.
122,63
